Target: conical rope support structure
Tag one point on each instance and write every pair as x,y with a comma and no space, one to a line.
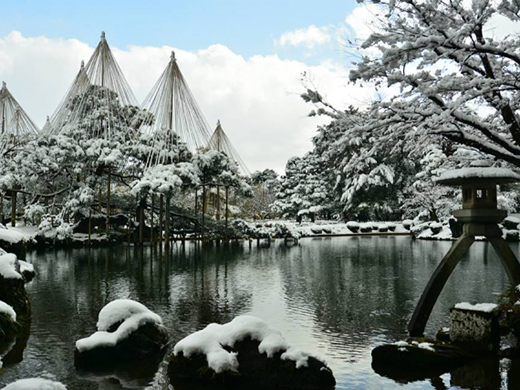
175,110
15,125
220,142
102,71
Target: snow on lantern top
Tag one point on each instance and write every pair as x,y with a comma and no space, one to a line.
479,190
479,171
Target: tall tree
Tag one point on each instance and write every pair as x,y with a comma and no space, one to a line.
456,81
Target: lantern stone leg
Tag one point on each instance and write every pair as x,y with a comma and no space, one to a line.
436,284
480,216
508,258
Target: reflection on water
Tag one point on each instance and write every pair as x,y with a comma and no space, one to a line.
334,297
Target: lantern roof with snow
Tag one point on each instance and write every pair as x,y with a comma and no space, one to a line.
479,171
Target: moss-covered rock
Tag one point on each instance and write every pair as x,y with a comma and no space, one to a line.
256,371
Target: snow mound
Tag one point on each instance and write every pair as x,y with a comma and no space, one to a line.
7,309
25,267
211,341
35,384
8,266
482,307
11,236
132,314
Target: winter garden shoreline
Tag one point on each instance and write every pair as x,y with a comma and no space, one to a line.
21,239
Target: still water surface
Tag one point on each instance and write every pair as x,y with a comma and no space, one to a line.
337,298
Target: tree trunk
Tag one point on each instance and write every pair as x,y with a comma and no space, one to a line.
13,208
89,225
2,208
227,211
203,212
161,217
218,203
99,201
167,221
151,218
141,222
108,200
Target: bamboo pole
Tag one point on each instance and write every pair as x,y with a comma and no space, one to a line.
108,200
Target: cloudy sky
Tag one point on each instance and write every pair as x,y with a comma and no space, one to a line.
242,60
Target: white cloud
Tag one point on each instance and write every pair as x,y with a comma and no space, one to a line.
256,99
309,37
500,26
365,20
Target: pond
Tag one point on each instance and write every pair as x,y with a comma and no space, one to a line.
336,297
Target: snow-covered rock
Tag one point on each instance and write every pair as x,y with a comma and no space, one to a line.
244,351
127,330
35,384
12,288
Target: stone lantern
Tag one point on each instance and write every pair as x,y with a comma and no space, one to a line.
480,216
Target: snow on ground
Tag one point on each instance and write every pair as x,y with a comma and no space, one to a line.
482,307
133,314
8,267
35,384
306,229
211,341
7,309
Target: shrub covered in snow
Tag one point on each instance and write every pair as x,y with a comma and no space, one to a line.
511,235
436,227
353,226
511,222
365,228
407,224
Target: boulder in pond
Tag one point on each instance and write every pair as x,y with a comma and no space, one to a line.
245,353
35,384
127,331
8,325
12,288
417,359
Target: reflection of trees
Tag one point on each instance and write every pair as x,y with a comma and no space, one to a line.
202,290
357,289
354,287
